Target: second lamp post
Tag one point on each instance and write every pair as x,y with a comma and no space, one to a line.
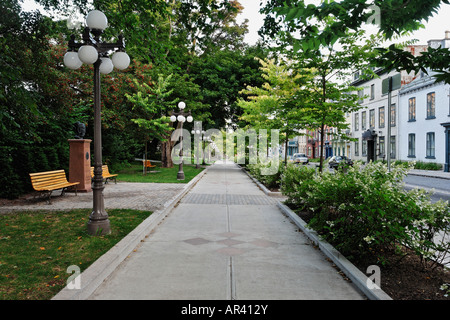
181,117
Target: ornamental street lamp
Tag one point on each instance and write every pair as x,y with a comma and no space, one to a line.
181,117
199,137
92,51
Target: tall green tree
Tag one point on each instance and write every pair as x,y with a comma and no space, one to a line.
393,18
275,104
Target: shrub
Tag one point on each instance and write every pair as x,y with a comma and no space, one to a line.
270,181
365,211
295,183
428,165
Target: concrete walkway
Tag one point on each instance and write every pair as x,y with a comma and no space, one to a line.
225,240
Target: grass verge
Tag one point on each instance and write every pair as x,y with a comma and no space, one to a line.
36,248
157,174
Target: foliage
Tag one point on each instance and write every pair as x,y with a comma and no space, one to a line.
222,75
270,181
420,165
180,50
294,183
152,104
393,18
365,211
276,103
327,96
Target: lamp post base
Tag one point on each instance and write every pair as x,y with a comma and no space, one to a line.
180,175
98,227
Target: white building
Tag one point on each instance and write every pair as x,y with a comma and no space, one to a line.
369,124
424,105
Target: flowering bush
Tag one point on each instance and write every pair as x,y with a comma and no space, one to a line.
271,181
295,182
366,211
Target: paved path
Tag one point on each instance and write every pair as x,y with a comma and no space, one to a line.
226,240
123,195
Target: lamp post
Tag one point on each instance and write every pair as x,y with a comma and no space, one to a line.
92,51
199,137
181,117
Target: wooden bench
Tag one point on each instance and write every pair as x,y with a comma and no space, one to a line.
105,174
46,182
147,164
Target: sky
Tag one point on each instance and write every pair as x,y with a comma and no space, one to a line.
435,27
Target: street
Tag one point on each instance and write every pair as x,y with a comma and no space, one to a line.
441,186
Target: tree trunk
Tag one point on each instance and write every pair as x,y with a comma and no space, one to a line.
322,137
322,126
166,154
285,151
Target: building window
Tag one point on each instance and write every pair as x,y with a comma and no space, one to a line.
431,112
382,147
364,148
381,117
372,92
430,145
412,145
361,96
393,111
356,121
392,147
363,120
357,147
412,109
372,119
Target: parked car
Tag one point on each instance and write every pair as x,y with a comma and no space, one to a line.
300,158
336,160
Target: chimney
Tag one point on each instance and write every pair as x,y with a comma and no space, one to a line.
447,35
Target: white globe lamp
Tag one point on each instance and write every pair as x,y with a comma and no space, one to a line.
121,60
106,66
88,54
181,105
72,61
96,20
189,119
173,118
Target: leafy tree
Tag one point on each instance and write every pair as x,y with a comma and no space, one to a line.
275,104
393,18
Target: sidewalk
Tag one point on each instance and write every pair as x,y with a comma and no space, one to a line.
224,240
430,173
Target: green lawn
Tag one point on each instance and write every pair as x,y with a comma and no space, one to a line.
158,175
36,248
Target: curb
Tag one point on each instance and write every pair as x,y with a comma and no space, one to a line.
96,273
261,186
428,175
353,273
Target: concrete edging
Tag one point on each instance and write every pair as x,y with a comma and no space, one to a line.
353,273
261,186
96,273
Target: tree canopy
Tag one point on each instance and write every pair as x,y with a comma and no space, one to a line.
393,18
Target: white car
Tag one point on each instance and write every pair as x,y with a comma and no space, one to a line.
300,158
